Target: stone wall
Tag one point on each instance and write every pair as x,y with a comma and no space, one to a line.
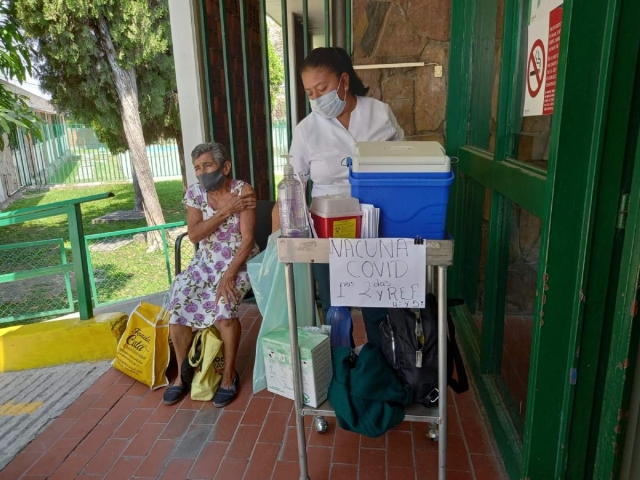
397,31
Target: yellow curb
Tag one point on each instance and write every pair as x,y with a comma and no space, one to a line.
12,409
58,342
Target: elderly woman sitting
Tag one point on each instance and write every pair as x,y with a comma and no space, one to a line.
221,217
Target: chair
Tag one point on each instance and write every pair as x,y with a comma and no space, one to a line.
178,252
263,223
262,232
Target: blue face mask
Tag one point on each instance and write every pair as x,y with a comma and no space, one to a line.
329,105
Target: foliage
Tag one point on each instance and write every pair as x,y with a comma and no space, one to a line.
14,63
72,67
276,74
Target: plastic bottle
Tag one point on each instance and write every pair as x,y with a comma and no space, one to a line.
292,205
341,327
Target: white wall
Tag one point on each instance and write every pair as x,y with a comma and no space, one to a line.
317,41
189,77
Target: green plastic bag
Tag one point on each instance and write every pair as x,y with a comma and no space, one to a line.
268,284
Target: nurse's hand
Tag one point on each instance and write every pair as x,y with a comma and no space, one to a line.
238,203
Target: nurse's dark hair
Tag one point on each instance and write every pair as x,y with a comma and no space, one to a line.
338,61
216,150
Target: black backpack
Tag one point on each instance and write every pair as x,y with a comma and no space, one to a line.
410,345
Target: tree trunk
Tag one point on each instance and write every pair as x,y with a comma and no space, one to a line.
183,167
125,81
138,204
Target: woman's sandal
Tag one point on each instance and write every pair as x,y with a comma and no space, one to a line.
174,394
224,396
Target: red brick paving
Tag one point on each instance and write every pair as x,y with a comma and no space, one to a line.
118,429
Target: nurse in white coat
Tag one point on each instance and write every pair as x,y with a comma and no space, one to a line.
341,115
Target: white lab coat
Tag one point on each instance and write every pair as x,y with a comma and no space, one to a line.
320,146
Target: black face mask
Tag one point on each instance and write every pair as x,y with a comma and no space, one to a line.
212,181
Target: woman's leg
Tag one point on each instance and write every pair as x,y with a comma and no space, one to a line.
321,276
181,336
230,331
372,319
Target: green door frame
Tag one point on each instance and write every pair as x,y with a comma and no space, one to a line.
607,255
622,336
569,199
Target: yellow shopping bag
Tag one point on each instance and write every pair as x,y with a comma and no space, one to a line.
207,357
143,349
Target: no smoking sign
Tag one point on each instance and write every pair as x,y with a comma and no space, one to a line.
542,63
536,68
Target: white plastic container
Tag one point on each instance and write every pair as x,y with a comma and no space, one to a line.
399,157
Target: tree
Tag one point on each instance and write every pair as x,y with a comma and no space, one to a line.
109,63
276,74
276,69
15,63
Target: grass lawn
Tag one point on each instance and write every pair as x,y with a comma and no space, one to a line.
122,267
277,178
169,192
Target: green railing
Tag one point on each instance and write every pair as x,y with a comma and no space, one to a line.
42,278
29,277
36,280
121,267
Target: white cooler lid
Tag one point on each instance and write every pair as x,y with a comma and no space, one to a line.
400,157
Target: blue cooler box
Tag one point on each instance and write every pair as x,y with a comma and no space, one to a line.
408,181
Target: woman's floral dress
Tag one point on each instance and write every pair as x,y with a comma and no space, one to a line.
194,290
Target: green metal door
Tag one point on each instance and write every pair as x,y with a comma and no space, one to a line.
535,211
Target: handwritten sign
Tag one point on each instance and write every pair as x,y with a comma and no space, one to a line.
377,272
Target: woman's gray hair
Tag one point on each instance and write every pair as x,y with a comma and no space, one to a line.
216,150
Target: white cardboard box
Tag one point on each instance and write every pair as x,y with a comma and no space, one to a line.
315,355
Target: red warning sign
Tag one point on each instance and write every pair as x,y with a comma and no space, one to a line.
553,50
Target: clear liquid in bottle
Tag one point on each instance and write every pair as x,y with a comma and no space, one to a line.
292,205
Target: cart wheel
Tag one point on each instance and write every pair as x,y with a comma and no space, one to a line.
320,424
433,432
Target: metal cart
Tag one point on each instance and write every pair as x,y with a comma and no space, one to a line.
316,250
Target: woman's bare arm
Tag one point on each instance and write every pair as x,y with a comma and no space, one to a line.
247,231
227,285
200,229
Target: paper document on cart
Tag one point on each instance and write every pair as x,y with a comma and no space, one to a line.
377,272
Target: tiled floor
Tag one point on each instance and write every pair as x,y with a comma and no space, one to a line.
118,430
